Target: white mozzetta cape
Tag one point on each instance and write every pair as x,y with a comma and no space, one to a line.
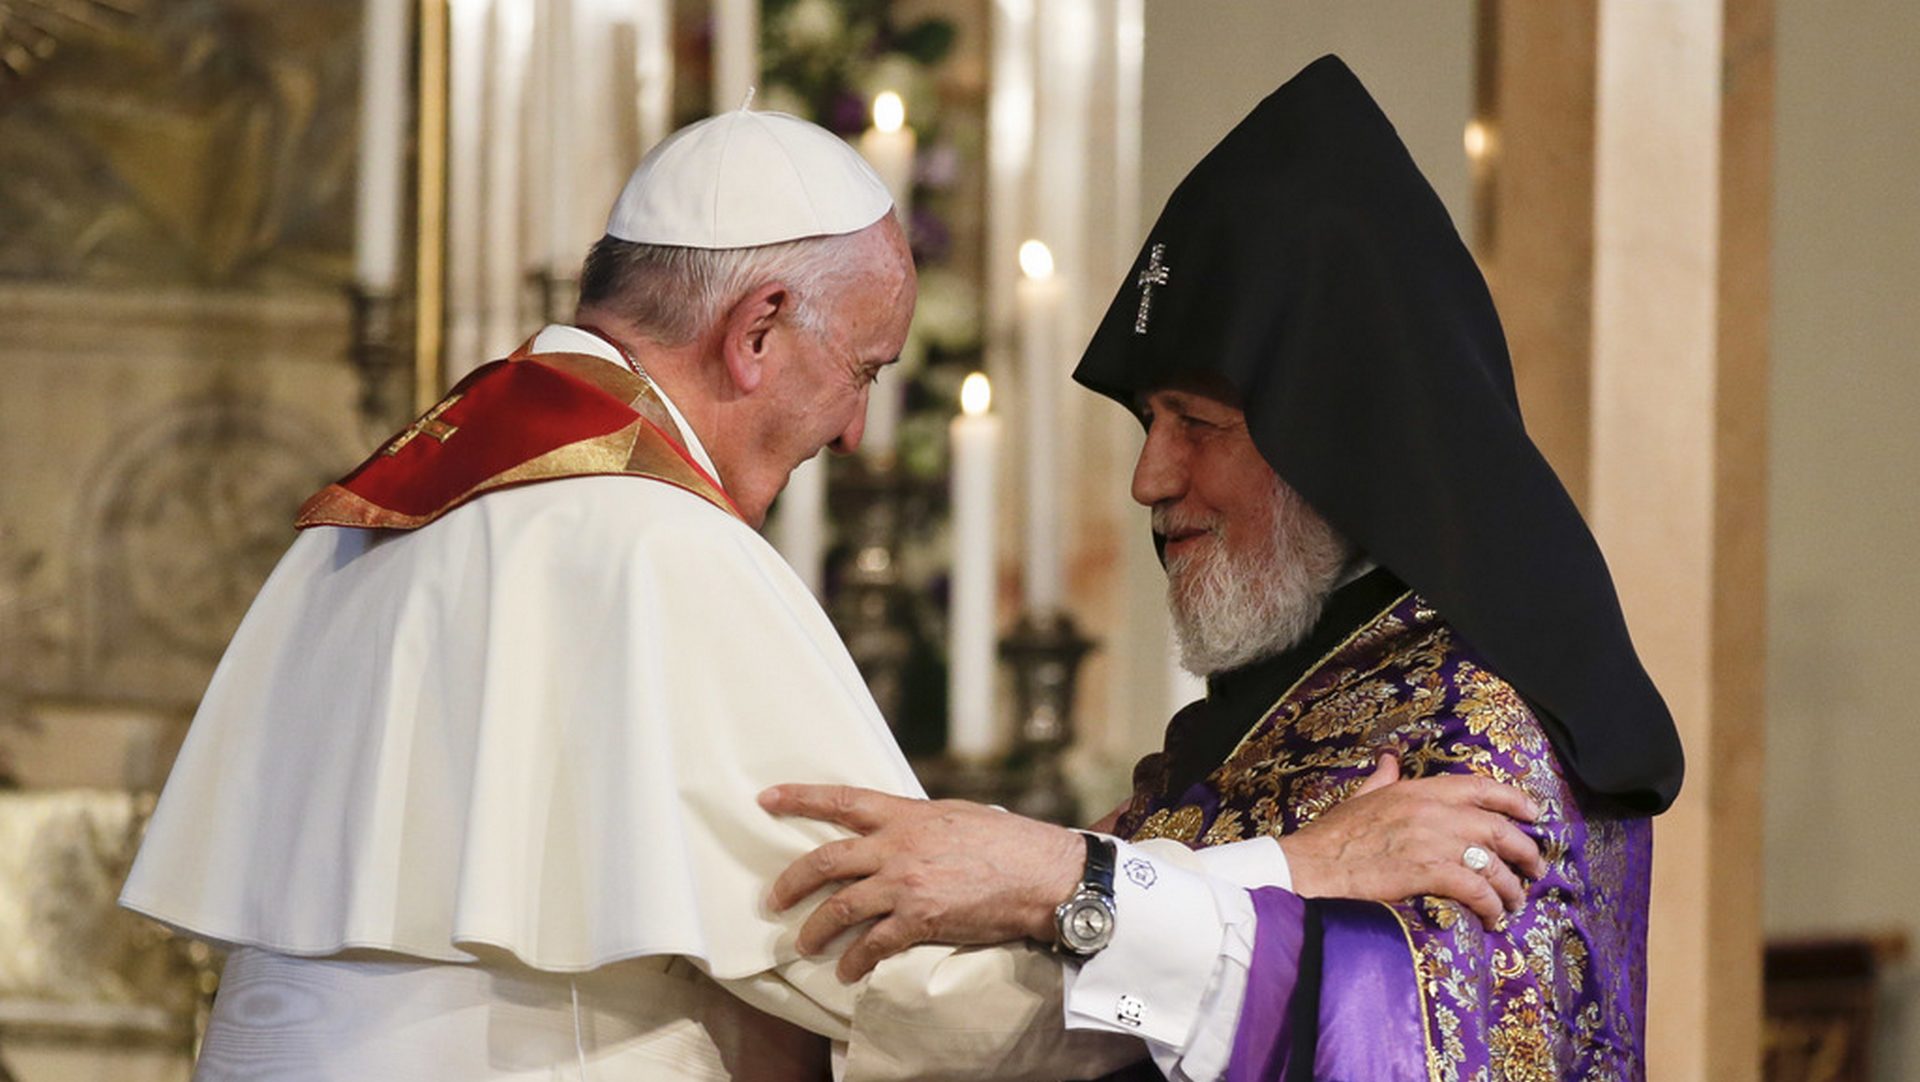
538,724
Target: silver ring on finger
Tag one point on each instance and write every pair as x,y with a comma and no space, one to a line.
1476,859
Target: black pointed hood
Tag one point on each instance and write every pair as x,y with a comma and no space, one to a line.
1308,263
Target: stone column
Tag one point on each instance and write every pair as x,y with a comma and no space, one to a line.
1678,467
1535,189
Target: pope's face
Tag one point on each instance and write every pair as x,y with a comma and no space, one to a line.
816,395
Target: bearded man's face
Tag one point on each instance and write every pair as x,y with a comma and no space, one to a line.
1249,564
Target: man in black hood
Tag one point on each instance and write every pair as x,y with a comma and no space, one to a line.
1366,554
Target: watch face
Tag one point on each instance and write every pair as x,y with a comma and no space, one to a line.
1088,925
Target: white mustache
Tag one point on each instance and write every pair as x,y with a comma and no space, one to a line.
1166,523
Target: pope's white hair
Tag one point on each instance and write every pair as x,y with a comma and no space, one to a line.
673,294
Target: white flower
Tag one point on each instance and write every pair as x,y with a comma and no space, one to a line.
812,22
947,316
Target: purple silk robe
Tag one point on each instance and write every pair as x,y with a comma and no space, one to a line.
1420,990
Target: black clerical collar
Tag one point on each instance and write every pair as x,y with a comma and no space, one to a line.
1236,700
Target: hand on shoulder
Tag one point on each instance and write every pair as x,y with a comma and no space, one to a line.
1395,839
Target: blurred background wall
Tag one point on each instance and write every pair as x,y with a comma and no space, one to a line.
1844,535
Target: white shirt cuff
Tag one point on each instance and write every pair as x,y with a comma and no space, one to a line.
1210,1044
1256,862
1149,981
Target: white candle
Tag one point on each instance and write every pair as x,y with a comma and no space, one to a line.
383,126
466,225
886,399
736,52
1182,686
1039,298
888,146
975,443
653,70
564,250
513,34
800,528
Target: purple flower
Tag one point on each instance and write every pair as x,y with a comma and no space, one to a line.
937,166
931,238
848,114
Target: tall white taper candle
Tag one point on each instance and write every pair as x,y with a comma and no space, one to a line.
975,445
800,526
384,101
506,269
736,52
889,146
1040,296
563,247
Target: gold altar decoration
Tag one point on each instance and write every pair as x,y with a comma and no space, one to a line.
73,966
193,142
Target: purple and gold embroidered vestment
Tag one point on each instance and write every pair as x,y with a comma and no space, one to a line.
1420,990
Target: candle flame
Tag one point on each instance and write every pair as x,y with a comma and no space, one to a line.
889,112
976,394
1036,261
1478,139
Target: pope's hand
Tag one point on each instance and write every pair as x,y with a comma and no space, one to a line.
1396,839
945,871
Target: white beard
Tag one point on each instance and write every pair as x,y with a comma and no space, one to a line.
1229,611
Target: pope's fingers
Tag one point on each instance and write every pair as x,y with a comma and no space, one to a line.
873,946
849,858
850,905
864,810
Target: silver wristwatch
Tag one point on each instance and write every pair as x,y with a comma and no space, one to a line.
1085,920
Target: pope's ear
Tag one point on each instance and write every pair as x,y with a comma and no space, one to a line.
750,323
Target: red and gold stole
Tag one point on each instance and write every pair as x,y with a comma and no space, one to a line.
529,418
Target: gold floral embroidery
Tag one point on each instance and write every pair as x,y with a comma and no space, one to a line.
1182,824
1225,829
1545,993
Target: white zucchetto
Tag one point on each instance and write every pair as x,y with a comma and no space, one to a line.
744,179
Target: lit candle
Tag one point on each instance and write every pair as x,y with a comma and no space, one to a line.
888,146
800,527
975,443
383,126
1039,298
736,53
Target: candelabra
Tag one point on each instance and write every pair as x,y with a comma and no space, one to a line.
381,359
555,295
1045,650
869,607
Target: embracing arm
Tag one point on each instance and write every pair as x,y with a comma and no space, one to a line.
957,872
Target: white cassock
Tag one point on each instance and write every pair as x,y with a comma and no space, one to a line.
477,801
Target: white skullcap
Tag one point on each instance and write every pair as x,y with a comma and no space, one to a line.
744,179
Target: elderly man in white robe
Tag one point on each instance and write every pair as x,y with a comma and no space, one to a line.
472,794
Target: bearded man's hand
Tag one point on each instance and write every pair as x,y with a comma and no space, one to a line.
1396,839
